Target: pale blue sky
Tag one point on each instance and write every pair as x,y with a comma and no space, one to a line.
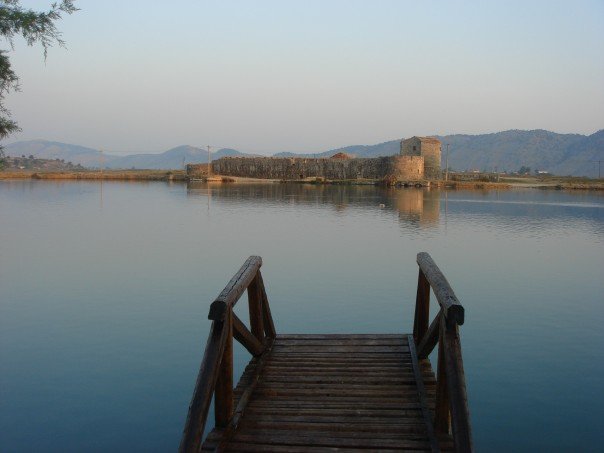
267,76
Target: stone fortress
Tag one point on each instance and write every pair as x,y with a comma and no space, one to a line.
419,160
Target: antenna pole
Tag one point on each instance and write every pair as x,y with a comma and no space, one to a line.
447,164
209,162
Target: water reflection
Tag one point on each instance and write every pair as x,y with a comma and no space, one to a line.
110,305
420,209
414,207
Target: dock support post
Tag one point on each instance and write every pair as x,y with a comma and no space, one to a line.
223,402
422,308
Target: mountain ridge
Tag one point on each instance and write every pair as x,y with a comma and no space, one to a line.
562,154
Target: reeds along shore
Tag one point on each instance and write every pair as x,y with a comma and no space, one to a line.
110,175
550,183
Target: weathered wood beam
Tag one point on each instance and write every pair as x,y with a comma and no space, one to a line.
430,339
223,391
456,383
254,297
234,289
442,409
451,307
421,392
246,338
422,308
204,388
245,396
269,325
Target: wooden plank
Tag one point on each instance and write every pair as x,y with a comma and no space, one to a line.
456,384
300,440
346,352
339,422
410,426
399,359
331,404
421,393
254,297
352,367
276,392
409,432
234,289
430,338
451,307
356,412
246,338
324,342
340,336
204,387
262,448
343,379
223,392
386,349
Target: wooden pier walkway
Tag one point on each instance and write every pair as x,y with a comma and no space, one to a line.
331,392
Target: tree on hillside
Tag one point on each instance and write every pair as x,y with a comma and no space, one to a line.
34,27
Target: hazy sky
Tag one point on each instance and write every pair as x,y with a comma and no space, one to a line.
268,76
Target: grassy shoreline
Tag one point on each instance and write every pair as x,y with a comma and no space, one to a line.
505,183
106,175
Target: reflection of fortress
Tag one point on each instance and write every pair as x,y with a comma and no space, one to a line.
415,207
418,206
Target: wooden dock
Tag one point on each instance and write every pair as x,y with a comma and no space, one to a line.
331,392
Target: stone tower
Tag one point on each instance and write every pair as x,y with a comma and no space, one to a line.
429,149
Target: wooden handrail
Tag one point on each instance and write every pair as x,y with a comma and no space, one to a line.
442,290
231,293
451,412
215,376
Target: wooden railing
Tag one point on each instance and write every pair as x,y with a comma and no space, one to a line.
451,413
216,371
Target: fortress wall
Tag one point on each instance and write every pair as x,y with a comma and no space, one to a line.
408,168
403,168
300,168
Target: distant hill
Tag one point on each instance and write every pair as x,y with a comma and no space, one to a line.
44,149
382,149
88,157
561,154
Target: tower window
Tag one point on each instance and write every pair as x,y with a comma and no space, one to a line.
415,148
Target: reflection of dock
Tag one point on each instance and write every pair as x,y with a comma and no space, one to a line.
309,392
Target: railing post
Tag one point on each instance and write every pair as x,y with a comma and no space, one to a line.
269,325
254,296
223,401
456,382
422,308
442,411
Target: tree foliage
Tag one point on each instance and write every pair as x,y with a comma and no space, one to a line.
36,28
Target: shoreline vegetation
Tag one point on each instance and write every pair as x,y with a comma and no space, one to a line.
505,181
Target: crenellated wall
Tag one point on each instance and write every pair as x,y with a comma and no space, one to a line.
401,168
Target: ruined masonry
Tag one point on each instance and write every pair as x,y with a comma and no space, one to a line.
419,159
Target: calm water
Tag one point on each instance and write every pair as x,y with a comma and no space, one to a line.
104,294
